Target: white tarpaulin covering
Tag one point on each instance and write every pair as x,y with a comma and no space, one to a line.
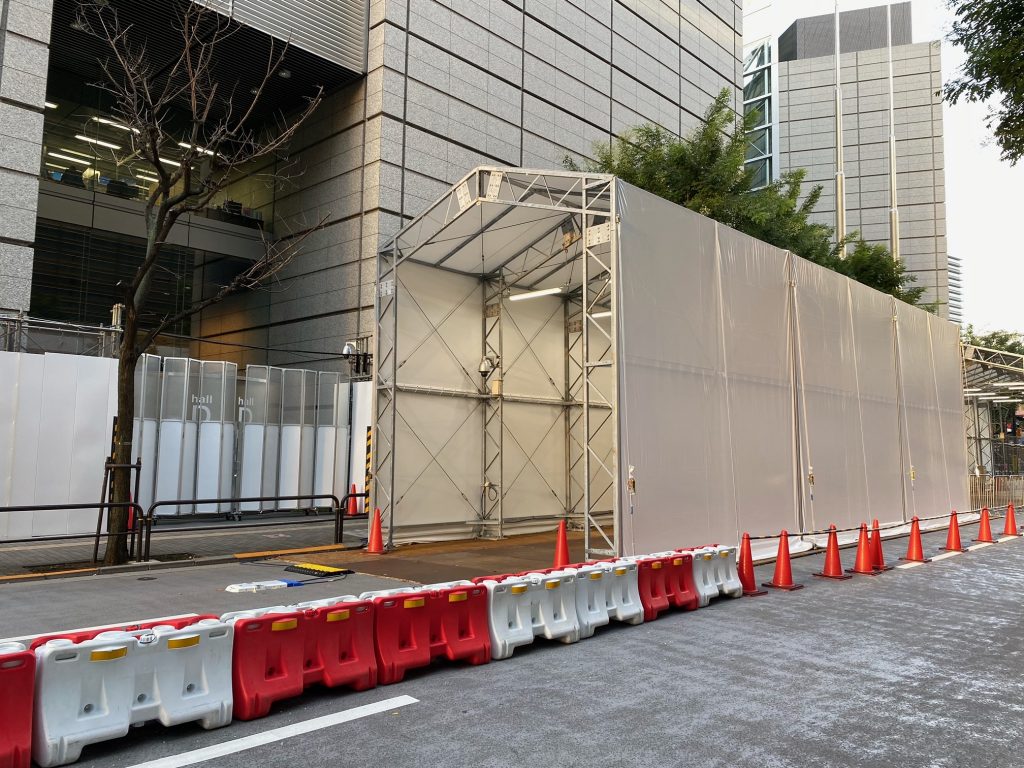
733,386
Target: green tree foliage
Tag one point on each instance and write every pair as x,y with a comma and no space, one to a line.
1004,341
991,32
704,171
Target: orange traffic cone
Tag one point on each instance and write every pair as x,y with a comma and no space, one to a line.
985,528
1011,522
783,577
877,555
915,550
953,537
746,568
375,544
833,565
353,502
862,564
561,547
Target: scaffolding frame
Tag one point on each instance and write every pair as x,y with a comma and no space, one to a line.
563,230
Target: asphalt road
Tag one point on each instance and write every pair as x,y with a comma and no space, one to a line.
914,667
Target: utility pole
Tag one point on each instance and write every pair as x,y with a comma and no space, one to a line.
840,176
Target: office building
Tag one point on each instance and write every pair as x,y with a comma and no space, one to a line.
418,93
790,80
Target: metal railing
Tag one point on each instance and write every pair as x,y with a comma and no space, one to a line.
133,533
337,507
996,490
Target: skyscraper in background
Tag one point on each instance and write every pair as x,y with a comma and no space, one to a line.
789,78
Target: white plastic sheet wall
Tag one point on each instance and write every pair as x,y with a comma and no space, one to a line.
56,413
743,369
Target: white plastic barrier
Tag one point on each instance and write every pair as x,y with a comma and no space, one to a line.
509,620
389,592
553,606
623,593
726,575
591,597
327,602
704,574
96,690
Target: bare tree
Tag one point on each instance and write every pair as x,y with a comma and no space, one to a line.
180,108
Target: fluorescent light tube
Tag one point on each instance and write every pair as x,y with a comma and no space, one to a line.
70,159
535,294
49,105
114,124
98,142
597,315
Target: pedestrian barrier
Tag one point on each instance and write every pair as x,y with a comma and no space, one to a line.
402,631
281,651
622,592
17,684
510,621
704,578
679,584
652,583
592,584
727,577
96,690
553,606
459,629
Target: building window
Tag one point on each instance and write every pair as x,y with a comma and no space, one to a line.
757,100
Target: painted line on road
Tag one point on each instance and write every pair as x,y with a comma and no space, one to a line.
909,565
945,555
276,734
1008,538
979,546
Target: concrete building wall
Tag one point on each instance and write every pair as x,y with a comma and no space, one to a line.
24,54
807,140
460,83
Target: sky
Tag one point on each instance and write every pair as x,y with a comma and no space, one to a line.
983,193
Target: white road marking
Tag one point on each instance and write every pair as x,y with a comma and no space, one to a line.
945,555
909,565
276,734
979,546
1008,538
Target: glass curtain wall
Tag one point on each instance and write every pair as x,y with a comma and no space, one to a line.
757,99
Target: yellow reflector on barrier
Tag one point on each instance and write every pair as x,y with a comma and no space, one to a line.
709,557
284,625
415,602
108,654
677,561
621,571
458,597
552,584
656,564
338,616
518,589
724,554
183,642
595,576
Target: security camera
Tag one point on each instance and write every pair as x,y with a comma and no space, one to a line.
486,367
349,349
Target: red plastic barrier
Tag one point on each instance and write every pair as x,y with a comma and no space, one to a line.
17,684
652,580
458,624
81,635
681,588
402,631
276,656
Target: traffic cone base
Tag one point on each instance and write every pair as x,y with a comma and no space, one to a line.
786,587
746,570
833,564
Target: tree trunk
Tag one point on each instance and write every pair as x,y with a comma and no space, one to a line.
121,485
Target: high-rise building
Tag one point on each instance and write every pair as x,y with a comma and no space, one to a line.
790,79
418,92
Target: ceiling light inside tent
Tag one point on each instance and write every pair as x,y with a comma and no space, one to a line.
535,294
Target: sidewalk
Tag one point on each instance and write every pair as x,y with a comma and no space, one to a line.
172,544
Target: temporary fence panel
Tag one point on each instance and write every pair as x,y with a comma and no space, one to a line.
946,362
176,452
360,454
298,434
833,474
673,415
215,414
252,430
147,424
330,462
871,315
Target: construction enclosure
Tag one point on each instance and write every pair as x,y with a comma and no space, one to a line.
556,345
